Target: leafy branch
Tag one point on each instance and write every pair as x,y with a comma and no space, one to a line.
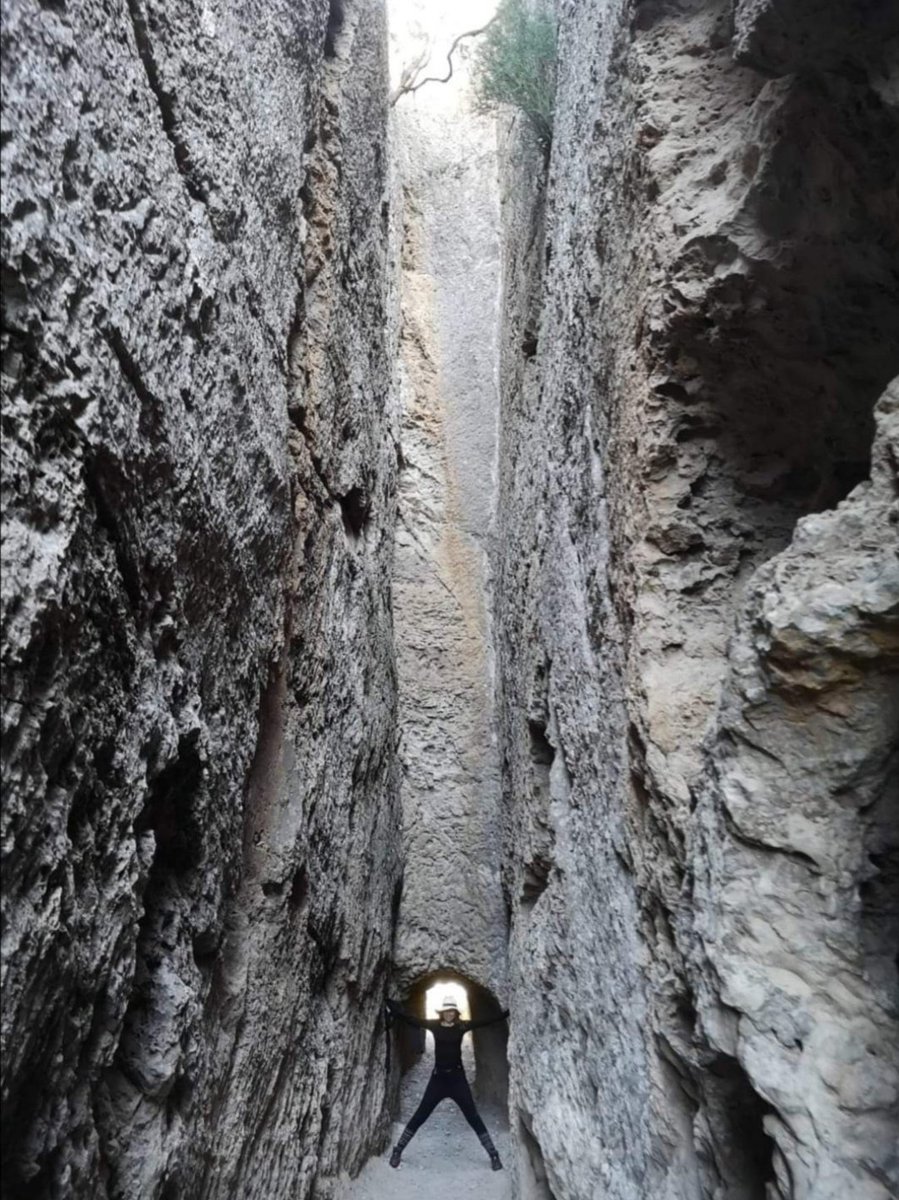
516,65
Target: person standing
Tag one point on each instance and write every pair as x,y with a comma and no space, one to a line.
448,1077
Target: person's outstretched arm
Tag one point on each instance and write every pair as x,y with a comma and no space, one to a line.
402,1015
485,1021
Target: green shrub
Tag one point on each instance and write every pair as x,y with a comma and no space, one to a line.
515,64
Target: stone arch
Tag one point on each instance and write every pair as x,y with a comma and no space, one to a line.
491,1085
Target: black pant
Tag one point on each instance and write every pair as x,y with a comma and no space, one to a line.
447,1083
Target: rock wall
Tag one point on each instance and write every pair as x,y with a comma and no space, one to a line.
452,916
696,627
214,857
797,916
200,824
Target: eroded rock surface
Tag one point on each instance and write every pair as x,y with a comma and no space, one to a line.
700,316
233,372
452,915
200,828
796,851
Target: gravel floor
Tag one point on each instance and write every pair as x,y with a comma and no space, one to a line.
445,1160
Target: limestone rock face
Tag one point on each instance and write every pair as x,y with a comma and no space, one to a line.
796,851
200,826
628,757
695,626
452,916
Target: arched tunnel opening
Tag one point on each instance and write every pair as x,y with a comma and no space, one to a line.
477,1003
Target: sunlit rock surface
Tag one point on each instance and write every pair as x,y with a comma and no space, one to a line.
452,914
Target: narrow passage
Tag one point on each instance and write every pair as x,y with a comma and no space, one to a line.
444,1161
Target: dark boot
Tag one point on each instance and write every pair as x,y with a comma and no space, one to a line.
495,1161
397,1153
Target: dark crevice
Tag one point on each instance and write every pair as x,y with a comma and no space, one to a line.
25,1106
845,476
539,859
637,764
88,798
164,101
171,1188
325,932
170,814
749,1167
327,1107
355,511
170,811
533,1177
879,890
99,487
535,879
206,946
299,889
295,346
179,1098
133,374
22,209
542,751
396,901
336,17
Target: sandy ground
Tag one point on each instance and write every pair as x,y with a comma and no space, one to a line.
445,1160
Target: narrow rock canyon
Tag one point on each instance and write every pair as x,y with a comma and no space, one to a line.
444,553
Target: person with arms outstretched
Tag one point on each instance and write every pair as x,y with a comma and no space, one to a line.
448,1077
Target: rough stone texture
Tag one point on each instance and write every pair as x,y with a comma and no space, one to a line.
452,917
780,36
797,903
200,826
696,332
578,1076
696,614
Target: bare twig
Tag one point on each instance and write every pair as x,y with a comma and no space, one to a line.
409,73
408,83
